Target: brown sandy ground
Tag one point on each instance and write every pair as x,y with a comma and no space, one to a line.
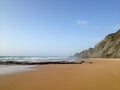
102,74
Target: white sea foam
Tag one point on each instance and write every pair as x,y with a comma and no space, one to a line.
10,69
35,58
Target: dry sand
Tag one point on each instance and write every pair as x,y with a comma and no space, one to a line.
102,74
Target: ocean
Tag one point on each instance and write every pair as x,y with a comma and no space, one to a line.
36,58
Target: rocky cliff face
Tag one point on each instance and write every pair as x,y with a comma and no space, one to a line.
84,54
107,48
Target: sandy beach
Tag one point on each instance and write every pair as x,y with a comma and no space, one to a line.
11,69
102,74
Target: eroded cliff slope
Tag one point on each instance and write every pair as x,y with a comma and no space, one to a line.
109,47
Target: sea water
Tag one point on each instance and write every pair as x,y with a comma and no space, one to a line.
10,69
36,58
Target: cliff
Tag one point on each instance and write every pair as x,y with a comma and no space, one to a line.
84,54
109,47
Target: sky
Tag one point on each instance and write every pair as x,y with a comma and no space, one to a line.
55,27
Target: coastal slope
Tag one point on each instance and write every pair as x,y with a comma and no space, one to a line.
109,47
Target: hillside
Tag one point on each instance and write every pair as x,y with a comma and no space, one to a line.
109,47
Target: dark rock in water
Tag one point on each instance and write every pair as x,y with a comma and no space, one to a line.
82,61
35,63
109,47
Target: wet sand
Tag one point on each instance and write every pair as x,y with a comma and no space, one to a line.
11,69
102,74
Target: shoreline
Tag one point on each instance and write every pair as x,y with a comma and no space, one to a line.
12,69
102,74
38,63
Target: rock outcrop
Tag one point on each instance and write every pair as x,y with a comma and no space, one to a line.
107,48
84,54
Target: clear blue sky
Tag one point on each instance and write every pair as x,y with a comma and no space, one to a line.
55,27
